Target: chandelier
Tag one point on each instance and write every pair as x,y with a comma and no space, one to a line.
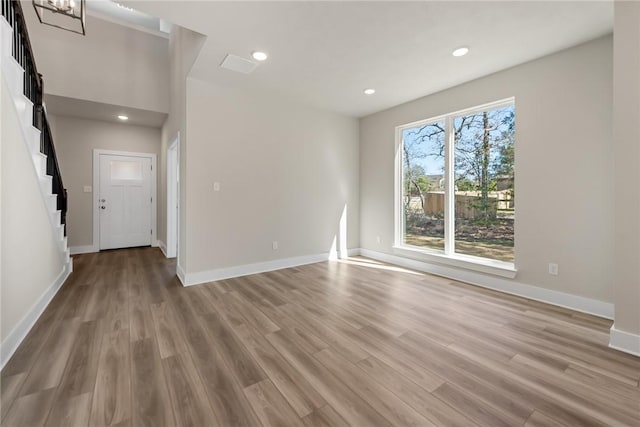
68,15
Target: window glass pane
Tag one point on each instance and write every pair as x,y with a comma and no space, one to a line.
126,170
423,185
484,183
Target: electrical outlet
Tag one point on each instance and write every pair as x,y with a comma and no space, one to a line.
216,186
553,269
274,245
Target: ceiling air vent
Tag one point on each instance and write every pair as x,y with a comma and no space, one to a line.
236,63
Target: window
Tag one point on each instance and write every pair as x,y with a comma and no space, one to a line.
124,170
456,184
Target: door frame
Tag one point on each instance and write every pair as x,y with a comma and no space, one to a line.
96,192
173,199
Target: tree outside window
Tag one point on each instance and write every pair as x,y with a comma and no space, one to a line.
482,143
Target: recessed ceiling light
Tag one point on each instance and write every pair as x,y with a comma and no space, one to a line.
259,56
369,91
461,51
123,117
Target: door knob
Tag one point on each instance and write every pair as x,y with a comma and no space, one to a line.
103,207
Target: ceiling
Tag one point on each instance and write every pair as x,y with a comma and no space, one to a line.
326,53
63,106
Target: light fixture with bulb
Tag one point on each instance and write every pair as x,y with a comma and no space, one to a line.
461,51
64,6
67,15
123,117
369,91
259,56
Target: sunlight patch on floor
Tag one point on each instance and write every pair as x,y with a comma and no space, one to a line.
377,265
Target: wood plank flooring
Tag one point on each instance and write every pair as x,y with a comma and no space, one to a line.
340,343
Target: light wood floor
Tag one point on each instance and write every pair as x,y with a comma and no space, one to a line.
340,343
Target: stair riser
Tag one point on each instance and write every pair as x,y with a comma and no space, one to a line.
28,112
46,184
14,75
52,202
33,135
5,42
40,160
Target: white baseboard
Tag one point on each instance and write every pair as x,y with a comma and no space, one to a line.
573,302
561,299
20,331
189,279
86,249
624,341
162,247
353,252
181,275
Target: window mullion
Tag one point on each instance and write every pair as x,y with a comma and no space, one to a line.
449,189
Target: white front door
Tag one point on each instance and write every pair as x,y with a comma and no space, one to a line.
125,201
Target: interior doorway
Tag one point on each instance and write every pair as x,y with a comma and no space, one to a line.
173,197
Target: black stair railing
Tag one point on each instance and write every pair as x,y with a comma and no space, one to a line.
34,91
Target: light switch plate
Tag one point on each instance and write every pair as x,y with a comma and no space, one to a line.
87,189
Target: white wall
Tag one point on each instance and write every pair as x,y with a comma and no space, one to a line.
75,140
626,119
31,260
286,173
112,64
564,186
2,103
184,47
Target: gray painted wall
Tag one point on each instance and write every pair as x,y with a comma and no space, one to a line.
564,185
286,173
75,141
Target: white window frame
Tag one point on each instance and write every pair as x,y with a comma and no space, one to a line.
448,256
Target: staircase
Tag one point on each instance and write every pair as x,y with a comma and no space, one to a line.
26,90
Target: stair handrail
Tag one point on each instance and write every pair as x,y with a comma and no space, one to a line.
47,147
22,50
34,91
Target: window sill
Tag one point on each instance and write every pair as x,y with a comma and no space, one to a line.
482,265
